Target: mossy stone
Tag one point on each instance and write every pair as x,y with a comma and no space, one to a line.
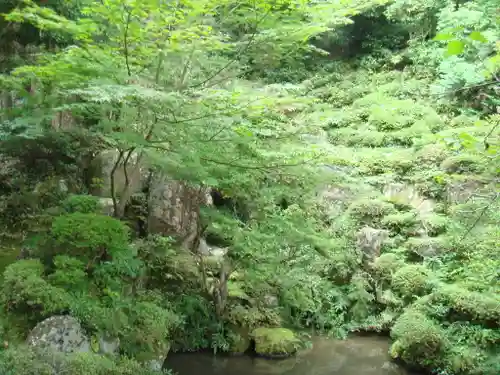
240,340
275,342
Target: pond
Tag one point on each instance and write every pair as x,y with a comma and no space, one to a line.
364,355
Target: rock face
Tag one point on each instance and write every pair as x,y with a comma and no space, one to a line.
275,342
462,191
102,167
106,206
207,250
108,345
174,208
156,364
240,340
408,194
369,240
60,333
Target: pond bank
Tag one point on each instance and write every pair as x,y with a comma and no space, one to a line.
363,355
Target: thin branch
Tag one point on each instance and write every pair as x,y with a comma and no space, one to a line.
232,163
125,41
125,164
209,115
485,141
185,70
258,167
468,88
161,56
112,181
482,213
237,55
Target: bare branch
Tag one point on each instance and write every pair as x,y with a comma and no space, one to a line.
237,55
482,213
112,181
125,40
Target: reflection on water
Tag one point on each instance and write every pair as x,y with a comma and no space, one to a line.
354,356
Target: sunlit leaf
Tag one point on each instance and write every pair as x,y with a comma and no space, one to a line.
477,36
440,37
455,47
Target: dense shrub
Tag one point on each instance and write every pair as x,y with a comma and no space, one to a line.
418,340
401,223
387,264
463,164
69,273
412,280
369,210
85,204
28,361
465,305
25,292
89,237
146,334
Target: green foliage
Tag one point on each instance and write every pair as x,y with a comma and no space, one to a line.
383,94
28,361
412,280
400,222
463,164
387,264
89,236
418,339
469,306
85,204
198,323
26,293
146,333
69,273
369,210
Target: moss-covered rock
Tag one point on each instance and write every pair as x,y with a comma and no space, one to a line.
412,280
239,338
370,210
387,264
464,163
275,342
427,247
418,339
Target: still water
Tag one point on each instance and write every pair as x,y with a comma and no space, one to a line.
354,356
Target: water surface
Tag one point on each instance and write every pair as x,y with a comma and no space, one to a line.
354,356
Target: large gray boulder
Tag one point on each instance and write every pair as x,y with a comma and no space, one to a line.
174,209
369,241
60,333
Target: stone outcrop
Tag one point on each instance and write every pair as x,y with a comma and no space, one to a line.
174,208
369,241
60,333
462,191
102,169
64,334
239,340
409,195
108,345
275,342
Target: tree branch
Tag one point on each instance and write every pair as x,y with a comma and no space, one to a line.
112,182
125,40
481,214
237,55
